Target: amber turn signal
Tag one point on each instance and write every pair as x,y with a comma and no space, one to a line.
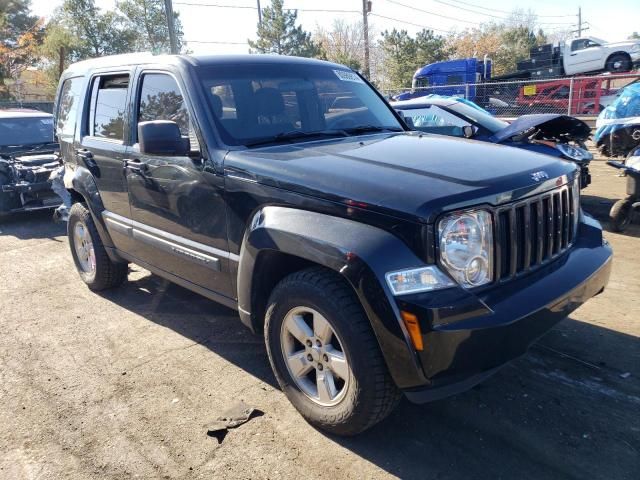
413,327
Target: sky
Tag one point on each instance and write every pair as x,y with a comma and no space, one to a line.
222,29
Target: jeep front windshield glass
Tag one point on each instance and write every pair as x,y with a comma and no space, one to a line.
25,131
259,104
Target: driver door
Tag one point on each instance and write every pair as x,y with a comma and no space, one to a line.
177,206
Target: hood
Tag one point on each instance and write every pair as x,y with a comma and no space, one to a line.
552,126
407,175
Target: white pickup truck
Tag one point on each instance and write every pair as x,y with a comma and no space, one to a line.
590,54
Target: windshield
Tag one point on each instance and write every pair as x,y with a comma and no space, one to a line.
25,131
256,103
479,117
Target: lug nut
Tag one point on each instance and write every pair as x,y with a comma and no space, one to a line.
325,357
309,343
320,367
310,358
318,343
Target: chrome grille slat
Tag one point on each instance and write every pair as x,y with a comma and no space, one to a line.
532,232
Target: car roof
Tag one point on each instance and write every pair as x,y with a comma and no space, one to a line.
143,58
23,113
426,100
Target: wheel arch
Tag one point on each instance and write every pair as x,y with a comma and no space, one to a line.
618,52
281,241
80,184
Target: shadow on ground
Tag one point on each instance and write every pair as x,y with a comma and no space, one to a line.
32,225
567,409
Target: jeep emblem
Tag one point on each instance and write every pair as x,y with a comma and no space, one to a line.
538,176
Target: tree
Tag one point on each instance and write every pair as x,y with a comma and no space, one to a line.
97,33
147,18
505,43
279,34
20,35
403,55
344,43
634,36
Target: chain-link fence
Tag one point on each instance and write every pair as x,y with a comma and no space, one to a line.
578,96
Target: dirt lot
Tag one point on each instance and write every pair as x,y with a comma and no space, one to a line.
122,384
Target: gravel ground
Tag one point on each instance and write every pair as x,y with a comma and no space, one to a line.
122,385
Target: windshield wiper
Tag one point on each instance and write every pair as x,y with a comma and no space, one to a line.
297,135
372,128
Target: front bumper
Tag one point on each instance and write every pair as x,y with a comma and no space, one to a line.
468,337
24,196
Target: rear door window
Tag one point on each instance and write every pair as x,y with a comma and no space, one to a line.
107,111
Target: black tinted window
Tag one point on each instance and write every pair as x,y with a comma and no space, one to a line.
108,107
161,99
68,108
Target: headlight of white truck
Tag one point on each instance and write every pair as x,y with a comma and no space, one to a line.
466,247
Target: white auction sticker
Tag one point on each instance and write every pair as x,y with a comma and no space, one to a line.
346,76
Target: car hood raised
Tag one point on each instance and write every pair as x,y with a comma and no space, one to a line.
406,175
552,126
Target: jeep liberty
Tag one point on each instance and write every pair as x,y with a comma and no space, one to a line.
377,261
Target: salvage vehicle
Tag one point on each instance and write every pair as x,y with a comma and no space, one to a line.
376,261
623,211
552,134
27,158
618,125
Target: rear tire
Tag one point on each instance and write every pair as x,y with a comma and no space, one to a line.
618,63
92,261
319,297
620,215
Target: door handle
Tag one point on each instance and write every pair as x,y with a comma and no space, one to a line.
87,157
135,165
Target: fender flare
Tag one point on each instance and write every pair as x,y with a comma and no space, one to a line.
356,251
80,180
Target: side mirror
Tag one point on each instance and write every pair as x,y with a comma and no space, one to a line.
468,131
162,137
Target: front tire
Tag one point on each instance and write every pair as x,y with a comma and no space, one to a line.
620,215
92,261
324,353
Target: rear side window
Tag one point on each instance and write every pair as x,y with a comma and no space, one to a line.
108,107
68,108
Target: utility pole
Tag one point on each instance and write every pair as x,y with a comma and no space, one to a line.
366,8
259,14
579,22
168,8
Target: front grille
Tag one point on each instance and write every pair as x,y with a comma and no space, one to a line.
533,232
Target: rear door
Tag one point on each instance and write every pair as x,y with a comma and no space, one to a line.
103,145
177,205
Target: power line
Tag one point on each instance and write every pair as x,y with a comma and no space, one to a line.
432,13
507,11
491,15
409,23
248,7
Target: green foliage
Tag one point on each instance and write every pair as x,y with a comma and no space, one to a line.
147,18
403,55
279,34
20,34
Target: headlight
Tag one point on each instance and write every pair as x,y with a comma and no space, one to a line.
466,247
574,153
416,280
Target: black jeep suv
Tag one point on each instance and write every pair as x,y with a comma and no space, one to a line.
375,260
